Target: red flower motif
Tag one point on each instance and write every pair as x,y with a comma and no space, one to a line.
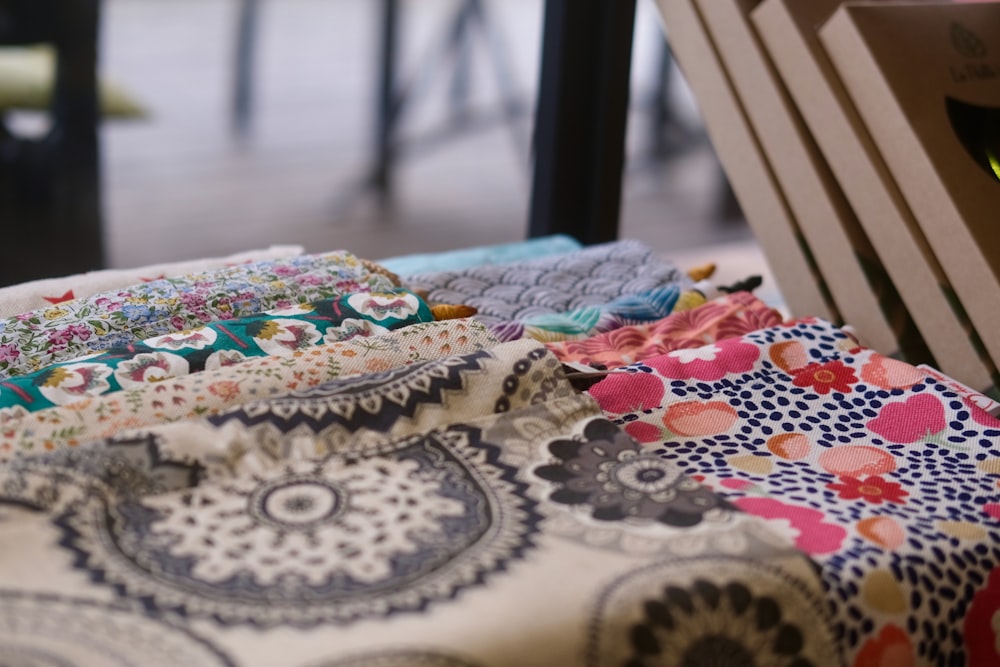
873,489
981,631
67,296
891,648
824,378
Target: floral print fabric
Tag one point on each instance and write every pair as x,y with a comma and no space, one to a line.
40,294
207,392
31,341
407,543
276,332
589,277
887,477
725,317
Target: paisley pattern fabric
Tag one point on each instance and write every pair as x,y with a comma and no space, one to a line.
887,477
461,496
464,258
588,277
583,322
215,345
207,392
41,294
725,317
31,341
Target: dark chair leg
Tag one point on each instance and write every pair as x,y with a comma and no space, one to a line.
246,39
581,119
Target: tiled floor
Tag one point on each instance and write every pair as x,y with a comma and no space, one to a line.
180,184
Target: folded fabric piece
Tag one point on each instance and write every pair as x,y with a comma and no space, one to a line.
278,332
464,258
583,322
401,545
344,412
39,294
724,317
207,392
886,476
31,341
588,277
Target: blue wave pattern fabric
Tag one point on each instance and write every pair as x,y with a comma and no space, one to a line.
506,253
581,323
40,338
593,276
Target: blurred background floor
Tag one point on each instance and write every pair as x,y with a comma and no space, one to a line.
182,184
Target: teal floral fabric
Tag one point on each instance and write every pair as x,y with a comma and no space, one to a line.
464,258
279,332
31,341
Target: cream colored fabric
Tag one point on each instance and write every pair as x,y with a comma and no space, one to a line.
210,391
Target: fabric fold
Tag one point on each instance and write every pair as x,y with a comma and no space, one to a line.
31,341
410,542
887,477
724,317
40,294
207,392
215,345
590,277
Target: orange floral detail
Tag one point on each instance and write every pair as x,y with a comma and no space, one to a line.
891,648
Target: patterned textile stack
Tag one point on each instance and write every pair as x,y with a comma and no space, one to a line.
310,460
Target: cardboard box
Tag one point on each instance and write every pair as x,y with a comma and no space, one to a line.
925,79
788,30
861,289
749,173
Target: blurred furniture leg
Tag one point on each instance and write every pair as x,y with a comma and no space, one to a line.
581,119
246,37
50,197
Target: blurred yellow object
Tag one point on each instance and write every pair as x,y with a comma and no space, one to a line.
26,75
688,300
447,311
702,272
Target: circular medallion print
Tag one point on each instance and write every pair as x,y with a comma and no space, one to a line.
47,631
712,610
314,541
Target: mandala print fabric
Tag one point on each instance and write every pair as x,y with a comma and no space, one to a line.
276,332
31,341
210,391
589,277
725,317
887,477
403,546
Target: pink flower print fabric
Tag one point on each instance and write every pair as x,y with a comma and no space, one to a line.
31,341
885,475
725,317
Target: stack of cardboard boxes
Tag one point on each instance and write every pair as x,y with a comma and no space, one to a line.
863,142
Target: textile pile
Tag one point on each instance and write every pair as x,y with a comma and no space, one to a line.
531,454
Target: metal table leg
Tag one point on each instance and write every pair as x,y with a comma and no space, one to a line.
581,119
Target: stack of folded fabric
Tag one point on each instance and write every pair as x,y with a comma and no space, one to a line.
531,454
